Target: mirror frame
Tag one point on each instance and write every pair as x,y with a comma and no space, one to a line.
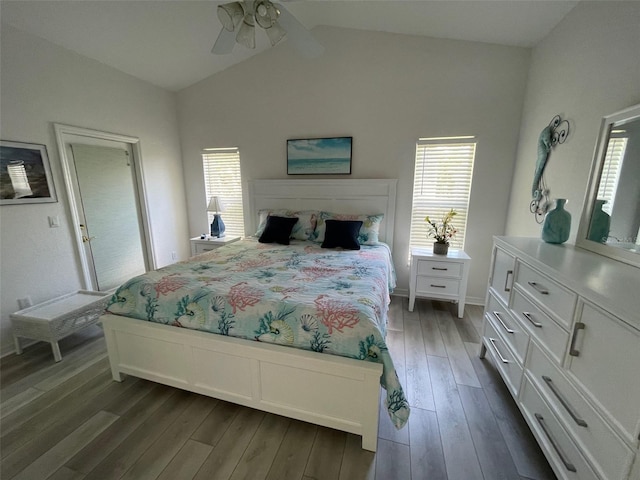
620,254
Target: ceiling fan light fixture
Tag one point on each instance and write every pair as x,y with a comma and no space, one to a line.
275,33
247,33
230,15
266,13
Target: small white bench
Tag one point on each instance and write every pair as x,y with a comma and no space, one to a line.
58,318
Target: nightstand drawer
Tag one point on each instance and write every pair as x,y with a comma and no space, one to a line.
510,329
439,269
202,247
556,299
606,449
540,325
561,450
437,286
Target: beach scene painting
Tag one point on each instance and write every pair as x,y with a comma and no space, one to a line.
319,156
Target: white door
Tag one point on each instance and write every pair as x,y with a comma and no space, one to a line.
109,214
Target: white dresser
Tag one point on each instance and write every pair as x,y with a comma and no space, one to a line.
443,277
563,327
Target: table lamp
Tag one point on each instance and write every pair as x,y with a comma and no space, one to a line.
217,225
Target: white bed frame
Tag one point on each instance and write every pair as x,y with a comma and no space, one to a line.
326,390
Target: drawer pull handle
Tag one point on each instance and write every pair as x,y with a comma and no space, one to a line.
504,325
565,403
507,287
573,351
439,268
438,286
539,288
529,317
495,347
557,448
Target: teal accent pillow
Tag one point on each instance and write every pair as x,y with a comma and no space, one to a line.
369,231
303,230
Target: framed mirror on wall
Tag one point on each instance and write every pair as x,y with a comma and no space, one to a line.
610,222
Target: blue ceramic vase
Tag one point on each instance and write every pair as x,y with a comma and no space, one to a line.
557,224
600,223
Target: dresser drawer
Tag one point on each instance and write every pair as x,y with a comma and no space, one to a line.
508,366
514,334
555,298
561,451
439,269
605,448
437,286
605,362
540,325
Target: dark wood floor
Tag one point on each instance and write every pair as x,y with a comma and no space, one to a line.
71,421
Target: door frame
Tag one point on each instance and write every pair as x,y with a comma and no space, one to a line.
64,134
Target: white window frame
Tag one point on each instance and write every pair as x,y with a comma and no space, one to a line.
442,181
223,177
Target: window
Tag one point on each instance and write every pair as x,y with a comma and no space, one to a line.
222,177
442,181
611,171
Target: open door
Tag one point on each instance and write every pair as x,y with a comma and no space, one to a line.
102,173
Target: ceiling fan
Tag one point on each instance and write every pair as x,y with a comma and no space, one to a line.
239,21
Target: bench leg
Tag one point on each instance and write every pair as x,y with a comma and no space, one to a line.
56,351
16,342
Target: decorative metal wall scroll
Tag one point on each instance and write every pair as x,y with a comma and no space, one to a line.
554,133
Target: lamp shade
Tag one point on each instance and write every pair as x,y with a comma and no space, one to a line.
216,204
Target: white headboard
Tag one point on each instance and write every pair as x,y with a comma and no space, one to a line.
339,196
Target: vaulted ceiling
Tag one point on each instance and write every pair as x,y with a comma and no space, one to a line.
168,42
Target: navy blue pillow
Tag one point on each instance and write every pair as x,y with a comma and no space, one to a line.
278,230
342,233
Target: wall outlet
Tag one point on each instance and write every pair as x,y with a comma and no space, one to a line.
174,256
24,302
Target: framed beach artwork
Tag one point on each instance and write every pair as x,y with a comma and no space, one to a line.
319,156
25,175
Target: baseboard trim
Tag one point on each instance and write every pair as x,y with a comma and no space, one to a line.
403,292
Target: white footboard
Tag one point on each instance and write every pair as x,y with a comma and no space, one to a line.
326,390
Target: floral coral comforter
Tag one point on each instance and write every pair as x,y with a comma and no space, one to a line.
299,295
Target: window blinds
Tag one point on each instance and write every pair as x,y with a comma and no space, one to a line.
442,181
222,178
611,172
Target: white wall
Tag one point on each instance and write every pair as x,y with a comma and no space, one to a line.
40,84
386,91
586,68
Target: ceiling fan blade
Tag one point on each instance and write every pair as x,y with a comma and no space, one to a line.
298,34
247,34
225,42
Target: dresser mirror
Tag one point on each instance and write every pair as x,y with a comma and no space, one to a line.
610,223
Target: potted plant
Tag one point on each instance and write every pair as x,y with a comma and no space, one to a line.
443,232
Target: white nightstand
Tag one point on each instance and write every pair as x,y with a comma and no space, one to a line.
443,277
200,245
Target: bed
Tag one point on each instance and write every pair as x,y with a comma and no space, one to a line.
263,299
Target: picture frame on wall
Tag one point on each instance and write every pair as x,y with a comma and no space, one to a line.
319,156
25,174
